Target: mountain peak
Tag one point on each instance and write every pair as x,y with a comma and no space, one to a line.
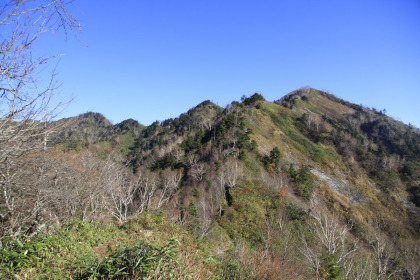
298,93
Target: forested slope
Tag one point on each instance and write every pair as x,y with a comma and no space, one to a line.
309,186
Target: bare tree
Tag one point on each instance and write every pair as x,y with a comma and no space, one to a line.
206,221
233,172
21,202
25,107
311,121
226,178
191,159
121,190
220,190
332,235
383,256
198,169
178,153
411,255
52,186
169,185
127,194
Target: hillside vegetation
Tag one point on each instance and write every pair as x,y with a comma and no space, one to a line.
307,187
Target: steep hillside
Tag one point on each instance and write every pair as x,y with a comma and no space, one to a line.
306,187
387,150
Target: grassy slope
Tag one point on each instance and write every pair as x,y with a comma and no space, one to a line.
273,126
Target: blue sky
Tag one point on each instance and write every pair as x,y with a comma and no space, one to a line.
153,60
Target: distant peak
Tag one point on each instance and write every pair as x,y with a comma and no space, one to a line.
91,115
300,93
128,125
97,118
203,105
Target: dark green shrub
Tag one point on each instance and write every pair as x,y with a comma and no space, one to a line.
253,99
242,155
134,262
165,162
415,192
330,269
196,192
192,209
303,181
407,170
294,212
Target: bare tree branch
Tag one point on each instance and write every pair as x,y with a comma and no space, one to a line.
25,105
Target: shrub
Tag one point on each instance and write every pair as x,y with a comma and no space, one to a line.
256,97
139,261
330,269
294,212
303,181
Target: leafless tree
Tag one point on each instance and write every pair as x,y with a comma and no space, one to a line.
311,120
207,123
25,106
227,176
275,181
206,220
148,183
72,183
220,190
362,268
178,153
120,192
233,172
127,194
383,256
198,170
21,202
411,255
191,159
51,186
332,235
90,190
171,180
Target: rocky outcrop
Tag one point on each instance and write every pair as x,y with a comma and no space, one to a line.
340,187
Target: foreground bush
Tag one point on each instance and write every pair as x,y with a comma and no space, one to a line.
147,248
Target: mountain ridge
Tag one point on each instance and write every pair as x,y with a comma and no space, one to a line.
256,180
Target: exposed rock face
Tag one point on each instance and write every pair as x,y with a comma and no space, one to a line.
340,187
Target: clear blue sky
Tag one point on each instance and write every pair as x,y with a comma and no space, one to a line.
152,60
